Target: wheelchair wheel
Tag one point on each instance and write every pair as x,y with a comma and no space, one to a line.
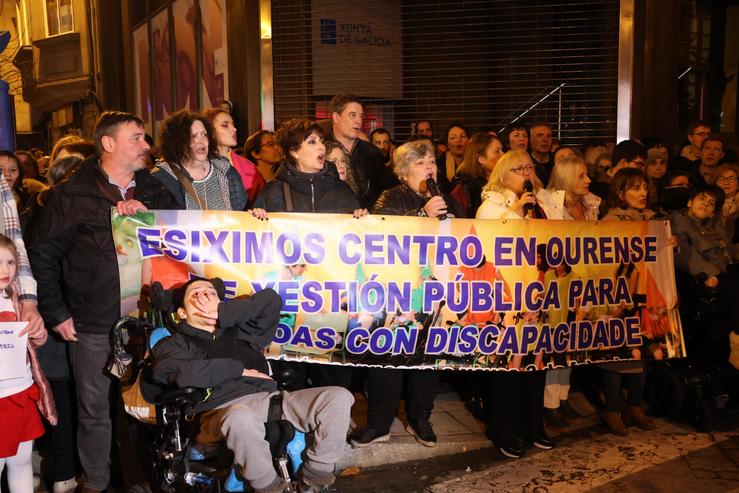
664,391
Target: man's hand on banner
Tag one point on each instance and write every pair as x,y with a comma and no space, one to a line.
360,213
129,207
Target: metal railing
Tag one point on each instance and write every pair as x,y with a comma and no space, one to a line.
558,90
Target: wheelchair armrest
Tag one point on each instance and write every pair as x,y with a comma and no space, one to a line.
184,395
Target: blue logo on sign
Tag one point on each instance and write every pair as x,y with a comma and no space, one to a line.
328,31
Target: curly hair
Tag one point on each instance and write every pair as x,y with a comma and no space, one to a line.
293,133
174,139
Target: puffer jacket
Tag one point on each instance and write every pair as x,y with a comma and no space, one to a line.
310,192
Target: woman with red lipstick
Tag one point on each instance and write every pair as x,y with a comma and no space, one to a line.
304,182
226,137
193,171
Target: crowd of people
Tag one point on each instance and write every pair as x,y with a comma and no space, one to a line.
67,282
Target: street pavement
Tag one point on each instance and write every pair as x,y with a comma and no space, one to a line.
673,458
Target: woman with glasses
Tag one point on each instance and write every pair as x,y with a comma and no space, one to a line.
517,417
192,170
512,190
727,180
261,147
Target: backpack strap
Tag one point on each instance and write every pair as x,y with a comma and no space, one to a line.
187,185
288,197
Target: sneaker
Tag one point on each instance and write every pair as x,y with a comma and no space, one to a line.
367,436
422,430
635,415
66,486
614,423
513,451
543,442
554,418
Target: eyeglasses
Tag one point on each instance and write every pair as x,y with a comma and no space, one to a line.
526,169
727,179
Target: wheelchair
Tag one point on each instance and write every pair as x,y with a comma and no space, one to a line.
703,385
165,416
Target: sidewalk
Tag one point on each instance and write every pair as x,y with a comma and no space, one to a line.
457,431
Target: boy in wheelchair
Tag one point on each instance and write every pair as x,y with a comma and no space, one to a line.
705,251
218,346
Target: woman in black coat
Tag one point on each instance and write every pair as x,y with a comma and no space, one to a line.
415,165
306,182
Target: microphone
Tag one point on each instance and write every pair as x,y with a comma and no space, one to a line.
528,209
434,191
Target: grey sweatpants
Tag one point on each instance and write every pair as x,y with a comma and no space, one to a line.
324,411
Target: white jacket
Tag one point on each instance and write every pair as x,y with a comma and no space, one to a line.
497,205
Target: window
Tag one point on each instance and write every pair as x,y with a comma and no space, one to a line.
59,17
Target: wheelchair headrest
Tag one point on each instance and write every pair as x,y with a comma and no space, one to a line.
168,300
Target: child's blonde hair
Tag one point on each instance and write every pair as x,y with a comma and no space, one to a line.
6,242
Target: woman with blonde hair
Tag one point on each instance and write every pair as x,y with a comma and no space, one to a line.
513,190
569,175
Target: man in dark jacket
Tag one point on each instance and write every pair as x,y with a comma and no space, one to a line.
366,162
218,346
75,264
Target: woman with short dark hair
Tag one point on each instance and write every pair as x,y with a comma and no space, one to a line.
304,183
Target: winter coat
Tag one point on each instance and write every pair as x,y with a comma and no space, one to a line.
193,357
703,247
310,192
467,192
497,205
404,201
73,255
228,175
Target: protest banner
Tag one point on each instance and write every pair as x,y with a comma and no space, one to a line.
423,293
